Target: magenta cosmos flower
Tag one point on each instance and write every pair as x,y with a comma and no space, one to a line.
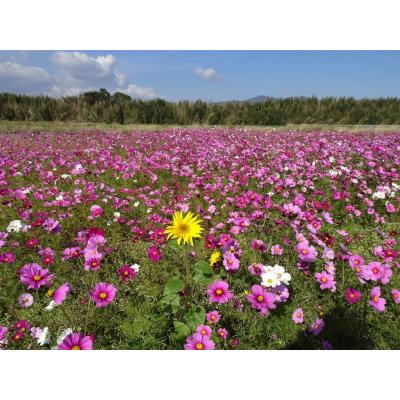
231,263
261,300
298,316
34,276
376,301
76,341
154,254
352,295
60,294
198,341
103,294
306,252
126,273
223,333
219,292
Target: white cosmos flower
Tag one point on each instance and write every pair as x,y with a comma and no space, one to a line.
135,267
136,204
15,226
44,336
51,305
66,176
281,274
269,279
63,335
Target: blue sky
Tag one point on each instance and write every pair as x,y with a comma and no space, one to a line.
207,75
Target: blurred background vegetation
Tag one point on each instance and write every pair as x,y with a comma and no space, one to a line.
102,107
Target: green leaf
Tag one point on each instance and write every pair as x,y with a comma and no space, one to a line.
202,279
173,285
195,317
181,330
173,244
203,267
171,300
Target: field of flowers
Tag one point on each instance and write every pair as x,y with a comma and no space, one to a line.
199,239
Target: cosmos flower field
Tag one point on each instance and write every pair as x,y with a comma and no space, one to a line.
199,239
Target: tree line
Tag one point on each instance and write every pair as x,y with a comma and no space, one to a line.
101,106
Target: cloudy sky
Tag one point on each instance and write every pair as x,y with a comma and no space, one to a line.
207,75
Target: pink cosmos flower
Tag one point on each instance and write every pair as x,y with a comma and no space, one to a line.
22,326
396,295
356,261
154,254
298,316
60,294
213,317
352,295
76,341
25,300
256,269
261,300
34,276
317,327
376,301
376,270
276,250
231,263
196,341
326,281
223,333
204,330
3,334
103,294
219,292
306,252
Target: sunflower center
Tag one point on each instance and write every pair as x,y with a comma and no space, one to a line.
103,295
183,229
199,346
75,348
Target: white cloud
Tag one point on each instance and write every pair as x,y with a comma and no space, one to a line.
210,74
19,78
75,73
139,92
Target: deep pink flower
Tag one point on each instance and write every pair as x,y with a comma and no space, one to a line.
352,295
256,269
219,292
376,270
34,276
103,294
199,342
376,301
76,341
92,264
298,316
126,273
60,294
258,245
22,326
261,300
154,254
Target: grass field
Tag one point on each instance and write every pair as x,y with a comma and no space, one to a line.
58,126
94,205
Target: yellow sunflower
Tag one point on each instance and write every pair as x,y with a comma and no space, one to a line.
215,257
184,227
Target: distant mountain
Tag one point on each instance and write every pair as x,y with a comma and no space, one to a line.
253,100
